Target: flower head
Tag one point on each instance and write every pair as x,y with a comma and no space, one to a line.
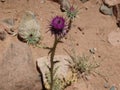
58,26
72,12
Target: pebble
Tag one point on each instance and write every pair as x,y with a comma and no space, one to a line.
106,85
113,88
2,35
92,50
106,10
9,21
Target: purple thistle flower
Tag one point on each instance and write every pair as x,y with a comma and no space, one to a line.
72,9
58,26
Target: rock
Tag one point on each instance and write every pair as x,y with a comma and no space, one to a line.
9,21
116,12
29,29
2,35
63,68
114,38
92,50
111,2
113,88
8,25
106,10
17,70
106,85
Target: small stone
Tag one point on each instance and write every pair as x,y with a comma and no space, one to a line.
9,21
92,50
2,35
113,88
106,85
106,10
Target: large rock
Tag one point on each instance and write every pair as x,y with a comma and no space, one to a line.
63,68
111,2
17,70
116,12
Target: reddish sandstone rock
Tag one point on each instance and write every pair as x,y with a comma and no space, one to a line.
17,70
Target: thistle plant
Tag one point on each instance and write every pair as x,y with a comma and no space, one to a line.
81,65
71,13
29,29
59,29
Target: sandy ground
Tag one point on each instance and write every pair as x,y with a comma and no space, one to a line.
95,30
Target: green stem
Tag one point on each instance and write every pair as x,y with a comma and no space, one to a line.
52,62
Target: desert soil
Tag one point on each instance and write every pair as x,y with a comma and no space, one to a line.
95,28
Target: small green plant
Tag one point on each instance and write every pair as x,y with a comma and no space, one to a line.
81,65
